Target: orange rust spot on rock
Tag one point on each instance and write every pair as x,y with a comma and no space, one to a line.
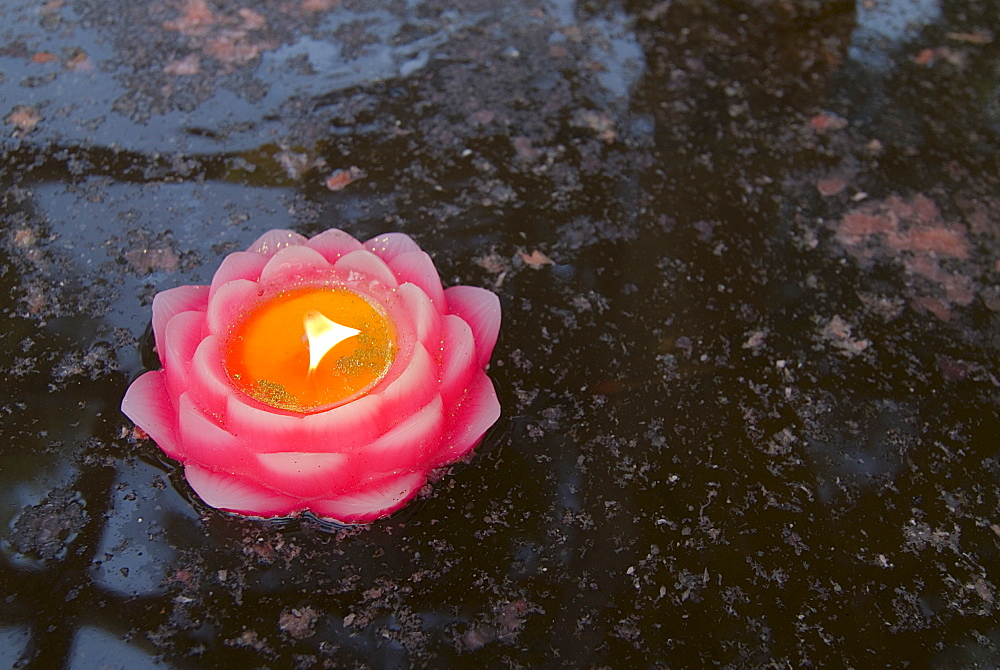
858,224
196,19
536,259
925,57
319,5
79,62
935,306
340,179
940,240
24,117
825,122
831,186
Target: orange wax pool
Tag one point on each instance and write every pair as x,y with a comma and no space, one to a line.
268,354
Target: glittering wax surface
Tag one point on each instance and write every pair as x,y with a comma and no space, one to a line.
267,421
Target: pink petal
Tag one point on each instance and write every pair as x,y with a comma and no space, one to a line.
274,241
379,499
180,341
207,443
413,389
390,245
347,427
481,310
336,430
458,358
147,403
417,267
363,265
167,304
406,446
209,384
238,265
293,264
305,475
423,318
333,244
262,430
470,420
231,302
237,494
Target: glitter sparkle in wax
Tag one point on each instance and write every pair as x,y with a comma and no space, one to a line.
310,348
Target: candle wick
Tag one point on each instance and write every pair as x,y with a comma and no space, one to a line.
323,335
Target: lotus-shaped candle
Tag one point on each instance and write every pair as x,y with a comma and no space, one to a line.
320,374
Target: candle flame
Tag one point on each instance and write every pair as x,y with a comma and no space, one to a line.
323,335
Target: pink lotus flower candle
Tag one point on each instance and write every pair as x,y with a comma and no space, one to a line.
319,374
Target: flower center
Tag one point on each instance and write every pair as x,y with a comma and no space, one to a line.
310,348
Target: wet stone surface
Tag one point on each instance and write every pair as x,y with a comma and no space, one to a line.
747,254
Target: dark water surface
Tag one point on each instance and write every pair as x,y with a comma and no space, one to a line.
748,258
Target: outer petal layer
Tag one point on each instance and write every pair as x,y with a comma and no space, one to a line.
147,403
458,358
481,310
417,268
237,494
471,420
333,244
168,304
357,461
390,245
274,241
373,502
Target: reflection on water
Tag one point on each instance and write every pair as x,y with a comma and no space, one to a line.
97,648
885,25
13,641
135,554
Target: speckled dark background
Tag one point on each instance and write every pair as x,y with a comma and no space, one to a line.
748,258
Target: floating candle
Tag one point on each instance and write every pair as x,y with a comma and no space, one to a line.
318,374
